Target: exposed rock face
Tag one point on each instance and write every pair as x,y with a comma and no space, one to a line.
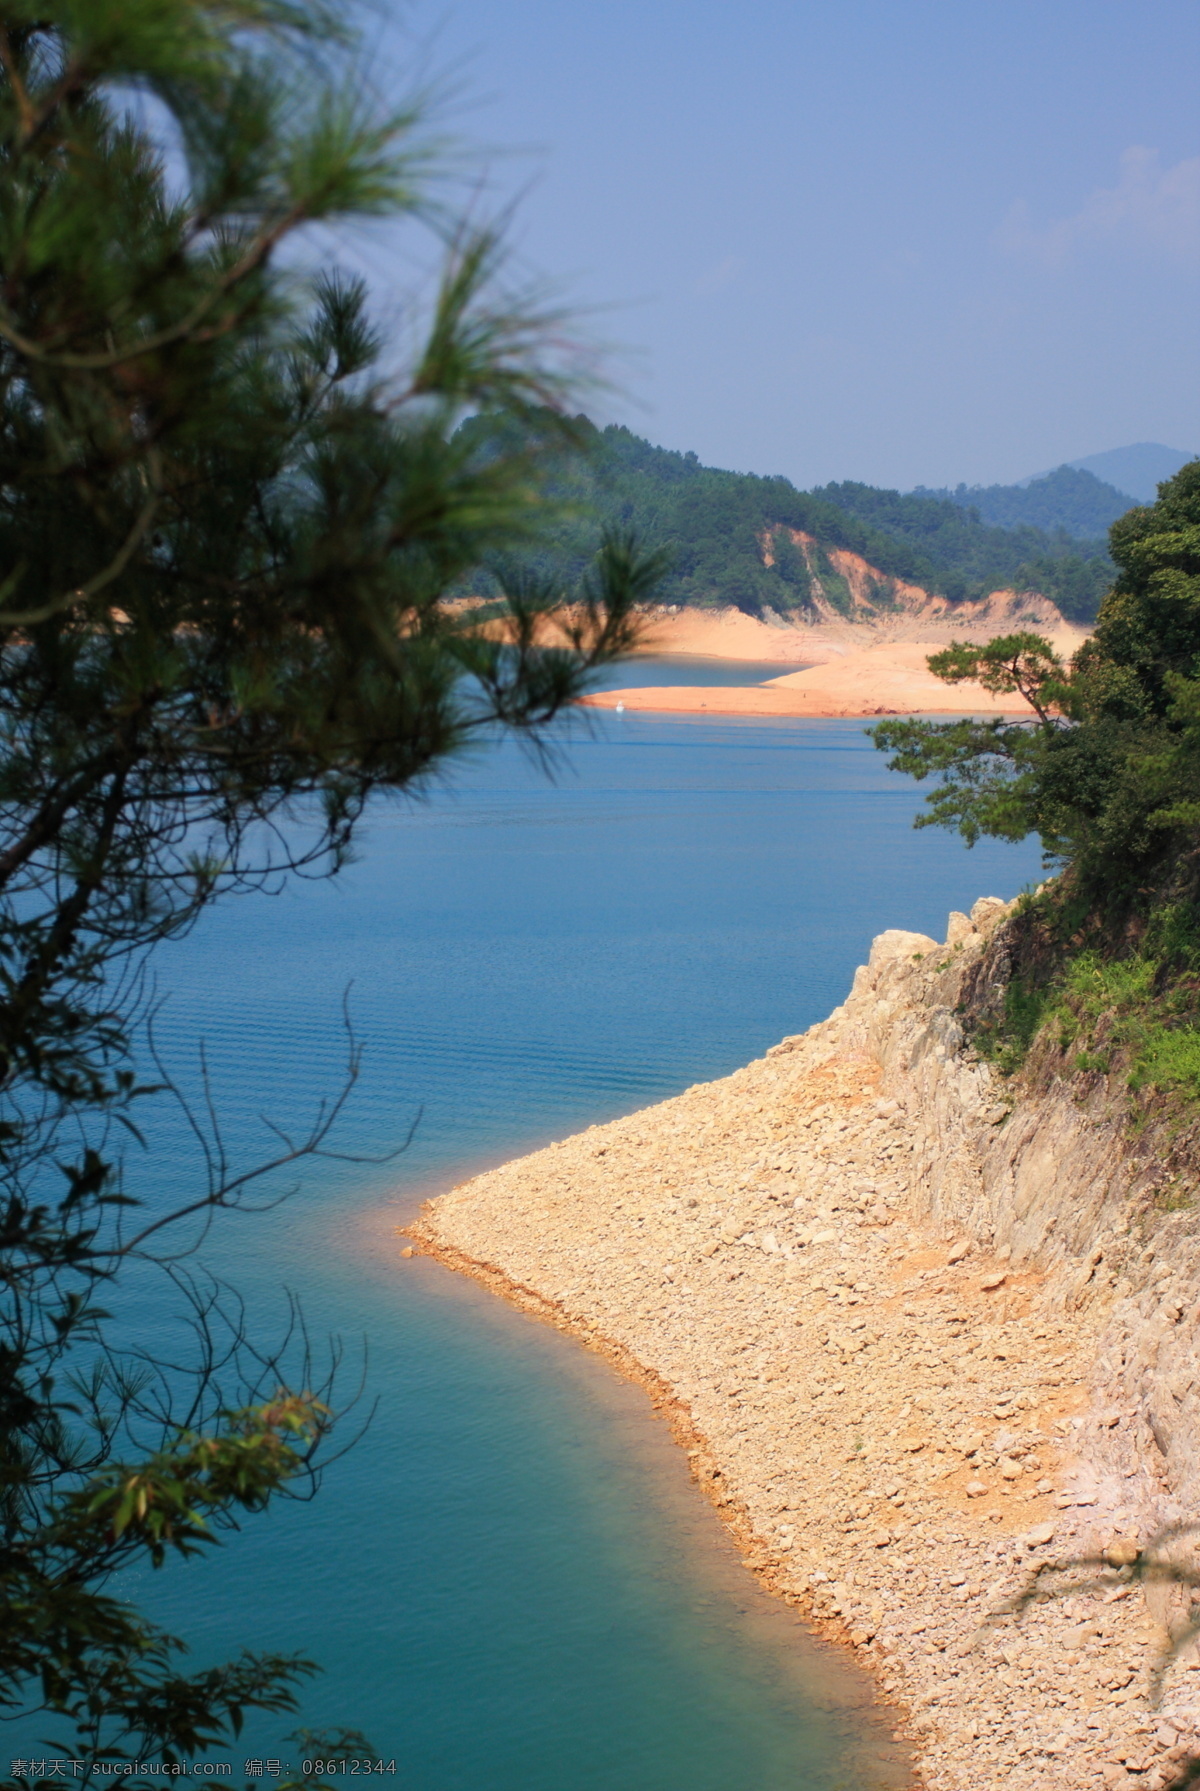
1053,1178
919,1333
875,595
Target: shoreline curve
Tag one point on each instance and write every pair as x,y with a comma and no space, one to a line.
886,1411
701,1457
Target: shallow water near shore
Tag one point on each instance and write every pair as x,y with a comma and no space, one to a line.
510,1582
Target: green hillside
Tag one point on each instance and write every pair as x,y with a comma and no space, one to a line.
718,526
968,558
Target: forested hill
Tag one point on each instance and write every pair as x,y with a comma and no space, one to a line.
722,528
967,557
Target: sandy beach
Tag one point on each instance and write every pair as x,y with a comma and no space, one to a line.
887,678
846,668
923,619
885,1411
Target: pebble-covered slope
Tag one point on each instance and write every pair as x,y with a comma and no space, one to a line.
892,1417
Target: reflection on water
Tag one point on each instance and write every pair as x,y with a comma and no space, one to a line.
678,668
511,1583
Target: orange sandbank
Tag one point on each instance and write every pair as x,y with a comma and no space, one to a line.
890,678
926,622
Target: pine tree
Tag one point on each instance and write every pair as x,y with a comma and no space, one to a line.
230,527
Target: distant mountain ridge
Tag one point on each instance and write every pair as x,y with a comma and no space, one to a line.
1137,470
1069,498
1083,497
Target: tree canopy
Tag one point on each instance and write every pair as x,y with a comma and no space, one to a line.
230,524
1107,773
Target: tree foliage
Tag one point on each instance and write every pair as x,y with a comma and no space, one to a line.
1108,770
229,525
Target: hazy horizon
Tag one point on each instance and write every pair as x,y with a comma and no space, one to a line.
1129,469
911,246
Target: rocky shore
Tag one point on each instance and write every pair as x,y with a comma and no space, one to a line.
912,1338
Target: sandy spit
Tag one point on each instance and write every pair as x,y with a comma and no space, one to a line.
731,634
882,1414
887,678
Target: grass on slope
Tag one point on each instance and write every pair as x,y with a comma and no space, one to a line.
1138,1013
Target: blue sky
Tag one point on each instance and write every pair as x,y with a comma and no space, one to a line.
905,241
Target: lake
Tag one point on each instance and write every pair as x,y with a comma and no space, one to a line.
510,1581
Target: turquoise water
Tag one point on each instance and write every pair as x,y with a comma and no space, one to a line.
510,1582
